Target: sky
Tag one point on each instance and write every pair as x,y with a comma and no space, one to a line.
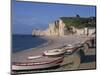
34,15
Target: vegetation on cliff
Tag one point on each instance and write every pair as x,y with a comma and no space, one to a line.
79,22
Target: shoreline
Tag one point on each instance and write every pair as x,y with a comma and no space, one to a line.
44,44
54,42
50,39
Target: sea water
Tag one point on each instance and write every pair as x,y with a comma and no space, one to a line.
23,42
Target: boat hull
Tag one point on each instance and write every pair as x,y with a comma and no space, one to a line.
39,66
14,67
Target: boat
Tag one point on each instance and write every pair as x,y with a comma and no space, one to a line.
64,49
71,48
54,52
37,63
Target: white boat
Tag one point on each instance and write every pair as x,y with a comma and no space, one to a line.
68,48
54,52
39,63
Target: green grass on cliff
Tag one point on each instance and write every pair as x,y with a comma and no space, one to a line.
79,22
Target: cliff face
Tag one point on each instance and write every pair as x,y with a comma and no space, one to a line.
67,25
72,25
56,28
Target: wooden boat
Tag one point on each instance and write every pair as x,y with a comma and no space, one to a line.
65,49
37,63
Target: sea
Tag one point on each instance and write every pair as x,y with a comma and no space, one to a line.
23,42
